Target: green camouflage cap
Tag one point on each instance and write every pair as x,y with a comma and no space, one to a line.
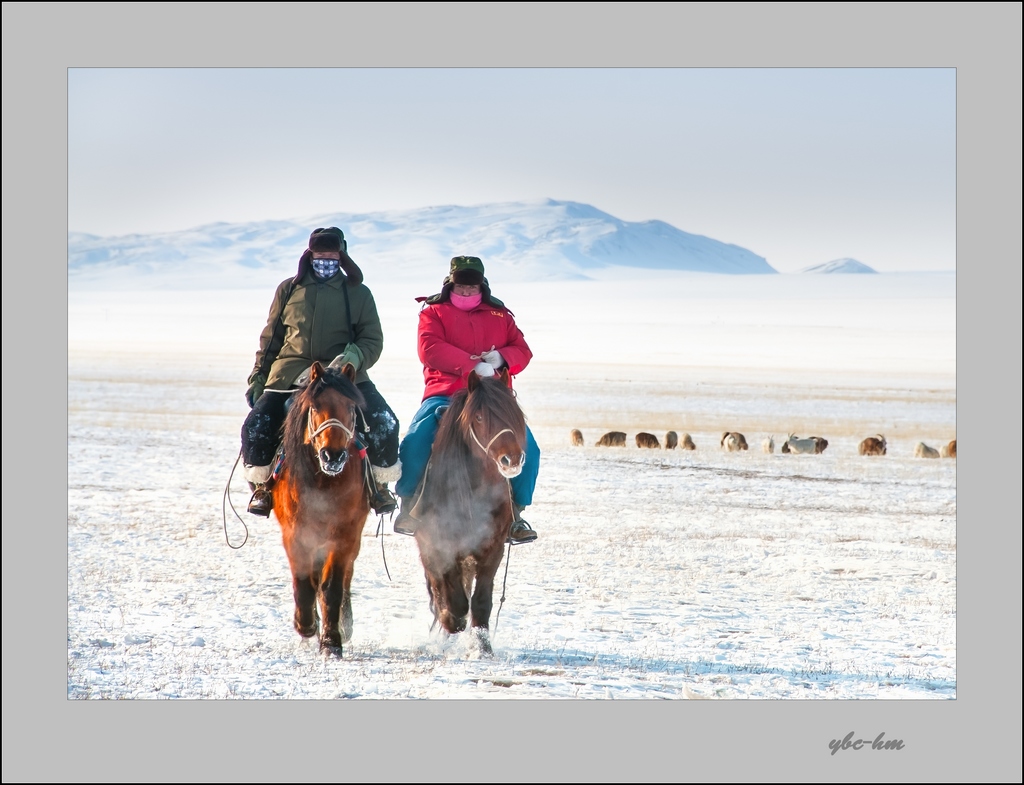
466,269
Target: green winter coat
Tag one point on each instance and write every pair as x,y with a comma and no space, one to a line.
308,322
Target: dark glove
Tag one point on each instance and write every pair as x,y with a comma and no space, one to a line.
256,384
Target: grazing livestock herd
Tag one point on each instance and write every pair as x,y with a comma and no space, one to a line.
734,441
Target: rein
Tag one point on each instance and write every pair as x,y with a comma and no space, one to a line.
508,557
224,508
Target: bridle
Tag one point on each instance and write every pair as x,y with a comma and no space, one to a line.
328,423
487,449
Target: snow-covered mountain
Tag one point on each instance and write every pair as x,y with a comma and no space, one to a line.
845,265
524,241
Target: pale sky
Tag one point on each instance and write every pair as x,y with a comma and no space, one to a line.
800,166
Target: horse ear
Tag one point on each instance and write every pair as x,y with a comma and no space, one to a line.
349,372
506,377
473,381
316,370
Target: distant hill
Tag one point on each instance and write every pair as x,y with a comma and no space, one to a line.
545,240
840,266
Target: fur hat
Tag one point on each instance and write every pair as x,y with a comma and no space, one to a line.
329,239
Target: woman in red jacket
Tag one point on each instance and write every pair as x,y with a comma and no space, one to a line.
462,329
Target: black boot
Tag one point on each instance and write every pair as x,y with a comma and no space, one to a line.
405,523
521,531
382,500
262,502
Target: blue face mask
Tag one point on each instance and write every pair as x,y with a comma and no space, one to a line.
326,268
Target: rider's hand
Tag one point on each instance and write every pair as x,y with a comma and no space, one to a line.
256,384
484,370
352,355
493,358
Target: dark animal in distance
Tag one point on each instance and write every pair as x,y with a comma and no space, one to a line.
577,437
671,440
644,439
873,445
949,450
612,439
733,441
819,444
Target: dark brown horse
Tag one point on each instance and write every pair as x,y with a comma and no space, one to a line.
465,507
321,503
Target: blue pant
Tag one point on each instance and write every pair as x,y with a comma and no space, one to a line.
414,453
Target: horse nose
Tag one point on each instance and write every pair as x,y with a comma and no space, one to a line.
331,460
507,461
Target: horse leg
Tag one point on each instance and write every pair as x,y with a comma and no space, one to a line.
332,595
346,607
435,598
483,598
453,616
305,605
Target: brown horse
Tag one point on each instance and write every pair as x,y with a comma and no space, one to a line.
321,503
465,507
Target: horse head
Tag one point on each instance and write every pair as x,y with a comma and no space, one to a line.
495,422
331,416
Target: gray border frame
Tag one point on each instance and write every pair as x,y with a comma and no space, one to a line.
974,738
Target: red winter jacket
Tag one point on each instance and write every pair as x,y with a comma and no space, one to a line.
451,342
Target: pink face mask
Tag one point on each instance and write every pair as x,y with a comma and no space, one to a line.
467,303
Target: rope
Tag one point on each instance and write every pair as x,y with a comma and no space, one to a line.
508,557
224,508
503,580
368,483
380,533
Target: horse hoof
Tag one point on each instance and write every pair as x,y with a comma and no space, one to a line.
483,641
306,632
331,643
451,624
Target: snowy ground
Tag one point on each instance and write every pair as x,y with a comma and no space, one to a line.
657,574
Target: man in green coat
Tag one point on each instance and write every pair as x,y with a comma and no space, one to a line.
326,314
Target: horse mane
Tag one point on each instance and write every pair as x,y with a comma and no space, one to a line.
500,401
453,459
300,458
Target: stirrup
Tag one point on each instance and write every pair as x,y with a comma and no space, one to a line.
261,503
405,523
383,501
521,533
